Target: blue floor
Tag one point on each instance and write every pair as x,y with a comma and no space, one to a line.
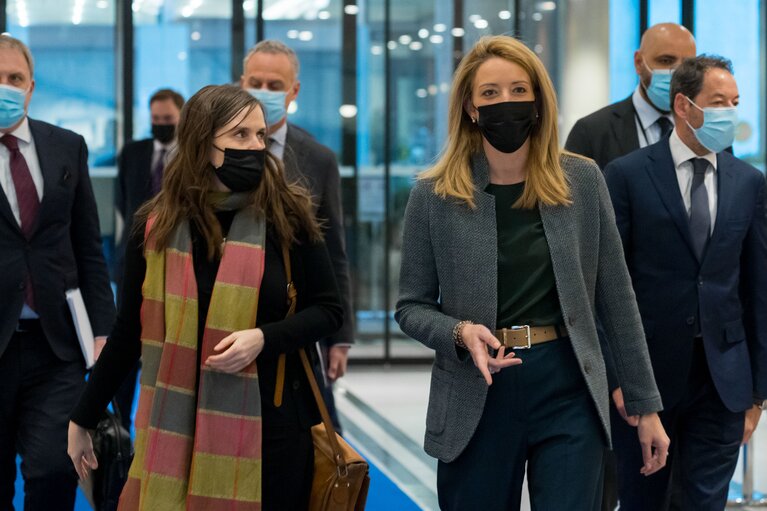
383,496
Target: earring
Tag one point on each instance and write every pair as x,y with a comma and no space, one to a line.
474,120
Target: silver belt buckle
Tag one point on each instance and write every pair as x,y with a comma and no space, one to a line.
526,328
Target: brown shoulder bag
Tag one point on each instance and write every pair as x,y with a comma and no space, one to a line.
341,476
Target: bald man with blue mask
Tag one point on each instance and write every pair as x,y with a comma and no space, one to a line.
644,117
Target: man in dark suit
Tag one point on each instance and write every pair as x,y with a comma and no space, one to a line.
644,117
49,243
692,220
271,74
615,130
140,169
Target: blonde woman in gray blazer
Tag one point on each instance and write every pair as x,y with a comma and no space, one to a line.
510,250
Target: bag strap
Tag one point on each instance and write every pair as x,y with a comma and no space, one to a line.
338,456
292,299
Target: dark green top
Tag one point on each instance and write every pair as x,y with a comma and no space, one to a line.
527,291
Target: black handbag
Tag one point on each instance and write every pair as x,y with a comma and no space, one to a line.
114,452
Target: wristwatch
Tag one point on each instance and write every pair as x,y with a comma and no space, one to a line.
761,403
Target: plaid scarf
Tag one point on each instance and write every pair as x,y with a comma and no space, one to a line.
198,444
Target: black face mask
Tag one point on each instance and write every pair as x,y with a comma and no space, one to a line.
507,125
164,133
242,169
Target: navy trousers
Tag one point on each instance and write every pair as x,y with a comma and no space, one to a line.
540,415
705,442
38,394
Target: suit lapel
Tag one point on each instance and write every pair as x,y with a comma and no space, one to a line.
625,128
726,196
660,167
290,158
53,172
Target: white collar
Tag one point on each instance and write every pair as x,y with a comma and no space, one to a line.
280,135
648,114
680,153
159,146
23,132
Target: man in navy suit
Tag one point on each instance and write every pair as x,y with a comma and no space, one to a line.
140,168
49,242
692,220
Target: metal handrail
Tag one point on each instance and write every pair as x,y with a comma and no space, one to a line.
748,481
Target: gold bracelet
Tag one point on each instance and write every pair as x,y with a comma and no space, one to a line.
457,337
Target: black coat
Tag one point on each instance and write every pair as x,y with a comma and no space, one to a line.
64,252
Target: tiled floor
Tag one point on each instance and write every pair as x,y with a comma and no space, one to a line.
384,410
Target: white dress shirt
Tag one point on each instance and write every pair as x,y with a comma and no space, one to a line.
646,119
681,154
277,141
28,150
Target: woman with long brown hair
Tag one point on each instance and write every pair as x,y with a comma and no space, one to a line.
510,249
206,305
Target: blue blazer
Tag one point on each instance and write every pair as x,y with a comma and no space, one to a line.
728,287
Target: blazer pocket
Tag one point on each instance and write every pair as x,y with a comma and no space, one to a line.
739,224
734,331
439,397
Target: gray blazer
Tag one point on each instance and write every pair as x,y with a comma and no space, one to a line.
449,273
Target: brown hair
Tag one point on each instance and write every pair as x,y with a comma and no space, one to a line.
188,177
546,181
165,94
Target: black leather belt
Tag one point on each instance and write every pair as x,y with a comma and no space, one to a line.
27,325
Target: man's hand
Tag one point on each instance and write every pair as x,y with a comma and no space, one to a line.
98,346
654,442
337,359
752,420
632,420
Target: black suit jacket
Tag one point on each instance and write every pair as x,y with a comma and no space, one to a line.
606,134
728,287
133,187
315,167
65,249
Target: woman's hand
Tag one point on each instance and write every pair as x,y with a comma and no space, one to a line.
652,436
80,450
477,338
237,350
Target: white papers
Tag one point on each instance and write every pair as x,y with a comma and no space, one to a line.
82,325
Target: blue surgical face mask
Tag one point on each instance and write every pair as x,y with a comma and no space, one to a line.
274,104
659,90
717,132
11,105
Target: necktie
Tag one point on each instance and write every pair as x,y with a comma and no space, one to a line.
665,126
157,171
700,216
26,196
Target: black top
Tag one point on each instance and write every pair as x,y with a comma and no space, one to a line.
318,314
527,291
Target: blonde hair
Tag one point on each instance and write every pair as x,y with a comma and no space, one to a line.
546,182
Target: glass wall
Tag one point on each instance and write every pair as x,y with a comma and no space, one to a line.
74,53
179,45
734,33
660,11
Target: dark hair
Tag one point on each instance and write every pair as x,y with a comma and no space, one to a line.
188,177
688,77
164,94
